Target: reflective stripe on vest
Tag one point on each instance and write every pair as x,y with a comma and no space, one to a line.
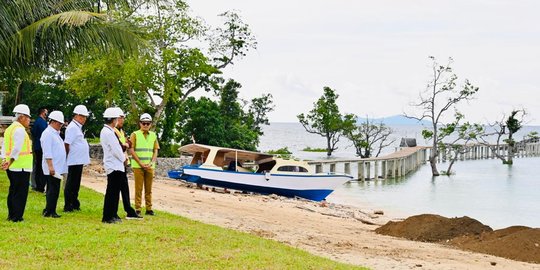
144,148
25,159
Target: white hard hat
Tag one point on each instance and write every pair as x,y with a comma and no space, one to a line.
81,109
145,117
57,116
119,112
110,113
22,108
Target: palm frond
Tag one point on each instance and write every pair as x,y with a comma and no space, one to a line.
61,34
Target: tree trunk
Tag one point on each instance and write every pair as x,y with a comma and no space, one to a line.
328,147
511,145
434,153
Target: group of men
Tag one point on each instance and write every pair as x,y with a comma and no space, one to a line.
49,157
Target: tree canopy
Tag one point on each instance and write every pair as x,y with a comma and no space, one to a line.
326,120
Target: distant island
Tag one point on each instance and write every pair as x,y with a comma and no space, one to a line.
395,120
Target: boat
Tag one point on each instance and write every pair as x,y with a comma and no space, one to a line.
255,172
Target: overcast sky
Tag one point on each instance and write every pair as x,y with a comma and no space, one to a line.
375,53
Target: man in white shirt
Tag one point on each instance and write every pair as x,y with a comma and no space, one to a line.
17,160
113,161
78,155
54,161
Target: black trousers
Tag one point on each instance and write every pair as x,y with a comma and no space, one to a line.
53,191
124,191
73,185
112,195
39,177
17,195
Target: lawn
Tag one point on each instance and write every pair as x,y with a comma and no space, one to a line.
165,241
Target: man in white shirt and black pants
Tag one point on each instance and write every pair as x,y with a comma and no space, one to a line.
113,161
54,161
78,155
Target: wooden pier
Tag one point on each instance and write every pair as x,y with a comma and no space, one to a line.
408,159
397,164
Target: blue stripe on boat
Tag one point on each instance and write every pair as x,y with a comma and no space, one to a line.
311,194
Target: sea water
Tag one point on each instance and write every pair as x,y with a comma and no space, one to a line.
495,194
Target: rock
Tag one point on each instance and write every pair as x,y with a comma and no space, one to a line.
493,263
378,212
418,265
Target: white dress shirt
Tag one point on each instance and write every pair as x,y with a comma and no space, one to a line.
18,140
113,156
79,150
53,148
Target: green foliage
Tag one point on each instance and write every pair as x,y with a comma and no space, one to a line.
326,120
222,123
281,151
80,241
309,149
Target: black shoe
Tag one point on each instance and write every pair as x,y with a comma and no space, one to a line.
54,215
77,209
150,213
68,210
110,221
18,220
136,217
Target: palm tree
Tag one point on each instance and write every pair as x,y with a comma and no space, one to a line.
35,33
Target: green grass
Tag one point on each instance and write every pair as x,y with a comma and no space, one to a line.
309,149
165,241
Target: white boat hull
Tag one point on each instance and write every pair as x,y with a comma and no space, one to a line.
310,186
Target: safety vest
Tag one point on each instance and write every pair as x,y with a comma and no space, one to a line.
121,135
144,148
25,159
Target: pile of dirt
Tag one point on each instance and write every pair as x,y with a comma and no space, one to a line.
516,243
433,228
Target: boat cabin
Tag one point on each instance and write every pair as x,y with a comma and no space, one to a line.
229,159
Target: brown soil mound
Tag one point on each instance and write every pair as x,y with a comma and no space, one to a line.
433,228
517,243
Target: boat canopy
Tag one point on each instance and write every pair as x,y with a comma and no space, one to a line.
225,153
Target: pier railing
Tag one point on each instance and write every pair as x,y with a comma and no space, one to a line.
408,159
397,164
491,151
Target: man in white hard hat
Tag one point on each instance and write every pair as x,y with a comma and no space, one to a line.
40,124
144,151
17,160
78,155
54,161
124,186
113,161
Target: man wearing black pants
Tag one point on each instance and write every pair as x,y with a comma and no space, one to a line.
54,161
78,155
113,161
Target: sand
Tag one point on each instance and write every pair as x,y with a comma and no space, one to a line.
335,231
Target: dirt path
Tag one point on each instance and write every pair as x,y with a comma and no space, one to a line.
334,232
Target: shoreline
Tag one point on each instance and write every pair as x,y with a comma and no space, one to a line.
337,231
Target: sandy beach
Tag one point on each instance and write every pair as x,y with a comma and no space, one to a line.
334,231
